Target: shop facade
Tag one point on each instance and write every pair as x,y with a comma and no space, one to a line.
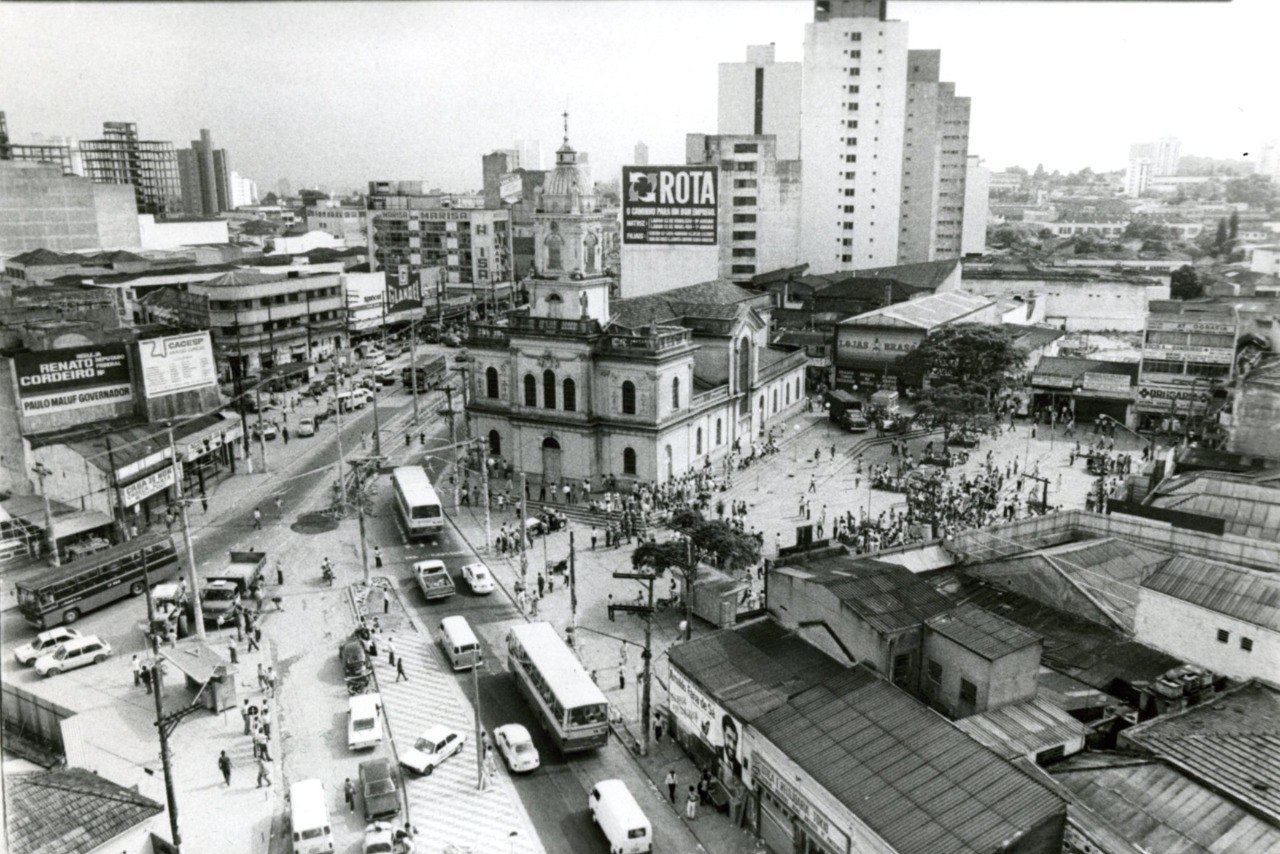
1087,389
208,449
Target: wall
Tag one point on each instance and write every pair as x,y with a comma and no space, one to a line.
171,235
1255,427
1092,306
794,601
653,269
781,99
1190,633
977,191
1265,260
40,207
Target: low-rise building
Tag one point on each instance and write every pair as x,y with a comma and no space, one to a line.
70,809
1034,730
41,208
1086,388
975,661
349,223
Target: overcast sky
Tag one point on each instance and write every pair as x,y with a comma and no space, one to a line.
337,94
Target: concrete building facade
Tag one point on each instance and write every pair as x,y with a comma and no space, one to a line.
934,163
761,97
852,127
151,166
977,192
349,223
767,236
205,178
41,208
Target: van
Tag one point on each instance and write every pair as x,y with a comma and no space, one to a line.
364,721
340,402
459,643
616,813
309,818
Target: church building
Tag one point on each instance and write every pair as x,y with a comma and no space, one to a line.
581,385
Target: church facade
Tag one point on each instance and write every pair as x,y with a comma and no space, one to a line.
645,389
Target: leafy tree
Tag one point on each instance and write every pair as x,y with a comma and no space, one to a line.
955,408
1040,174
1257,191
1220,239
1185,284
973,356
713,541
1233,225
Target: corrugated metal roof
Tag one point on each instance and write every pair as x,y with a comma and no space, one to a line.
755,668
923,313
1023,729
887,596
1160,809
1246,594
1069,366
1231,743
981,631
1250,503
917,781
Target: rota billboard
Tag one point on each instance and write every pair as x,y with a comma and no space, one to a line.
72,378
669,205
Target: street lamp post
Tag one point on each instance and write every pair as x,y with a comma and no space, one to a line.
42,472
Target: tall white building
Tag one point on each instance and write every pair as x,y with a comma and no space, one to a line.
641,155
1269,162
243,191
761,96
852,127
530,153
1168,152
1138,177
977,189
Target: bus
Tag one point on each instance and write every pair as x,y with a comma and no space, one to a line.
573,710
65,594
430,372
417,502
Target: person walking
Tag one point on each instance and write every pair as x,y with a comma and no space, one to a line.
391,652
400,674
349,793
137,671
279,574
594,535
146,678
260,746
264,720
542,585
224,765
257,519
691,805
246,715
657,726
204,503
264,772
377,557
671,785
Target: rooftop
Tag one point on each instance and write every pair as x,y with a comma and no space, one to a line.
1231,744
1250,595
1066,366
886,595
69,809
716,299
1249,503
753,669
927,275
1022,729
917,781
981,631
925,312
1157,808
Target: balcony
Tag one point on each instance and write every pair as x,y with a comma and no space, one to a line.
651,341
487,335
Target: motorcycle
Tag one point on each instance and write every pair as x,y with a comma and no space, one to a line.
327,574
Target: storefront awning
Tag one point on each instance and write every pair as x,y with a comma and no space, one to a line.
78,523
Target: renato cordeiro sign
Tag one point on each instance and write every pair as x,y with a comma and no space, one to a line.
52,381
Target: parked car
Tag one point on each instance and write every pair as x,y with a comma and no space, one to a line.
516,747
431,748
364,721
80,652
379,838
356,669
478,578
265,428
45,643
379,789
385,375
306,427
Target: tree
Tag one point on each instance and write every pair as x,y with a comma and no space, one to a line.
1257,191
955,408
1220,239
1185,284
971,355
1233,225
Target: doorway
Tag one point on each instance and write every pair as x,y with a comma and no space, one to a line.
550,460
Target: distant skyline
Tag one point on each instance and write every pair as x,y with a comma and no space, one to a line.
338,94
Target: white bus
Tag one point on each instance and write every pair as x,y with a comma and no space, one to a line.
417,502
573,710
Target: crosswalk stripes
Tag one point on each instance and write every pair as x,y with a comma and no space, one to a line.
445,806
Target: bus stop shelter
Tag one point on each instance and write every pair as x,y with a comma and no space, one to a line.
207,673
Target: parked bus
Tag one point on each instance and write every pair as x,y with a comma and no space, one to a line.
573,710
417,502
65,594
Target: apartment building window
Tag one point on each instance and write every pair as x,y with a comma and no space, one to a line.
935,673
848,209
744,269
744,183
854,72
849,191
852,140
1246,644
1223,635
857,37
846,259
851,123
743,201
746,166
744,235
744,252
745,148
851,158
744,217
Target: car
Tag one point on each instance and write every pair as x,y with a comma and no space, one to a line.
356,669
516,747
434,579
45,643
379,838
379,789
462,357
220,602
266,428
431,748
394,351
478,578
359,397
79,652
306,427
385,376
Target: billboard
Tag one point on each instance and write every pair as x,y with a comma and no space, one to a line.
699,714
177,363
669,205
72,378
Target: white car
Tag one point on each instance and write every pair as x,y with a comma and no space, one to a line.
80,652
478,578
306,427
516,747
45,643
378,838
432,748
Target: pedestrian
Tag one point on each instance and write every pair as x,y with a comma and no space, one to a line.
542,585
691,805
279,508
231,652
594,535
657,726
224,765
271,681
813,483
264,770
137,671
146,678
377,557
204,503
257,519
260,747
349,793
671,785
262,676
245,716
264,720
422,439
279,574
253,642
284,431
610,607
386,604
400,674
391,652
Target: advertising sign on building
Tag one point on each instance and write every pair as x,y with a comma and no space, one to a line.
72,378
1118,383
149,485
669,205
857,346
698,713
764,774
177,363
1165,394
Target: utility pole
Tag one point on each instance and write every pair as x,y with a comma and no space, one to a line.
359,498
41,472
337,415
198,612
484,486
453,441
573,594
262,437
413,368
645,611
524,514
377,428
171,796
480,745
113,483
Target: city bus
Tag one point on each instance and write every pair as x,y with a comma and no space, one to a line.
65,594
417,502
573,710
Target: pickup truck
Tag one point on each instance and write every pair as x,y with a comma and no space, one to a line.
434,579
225,589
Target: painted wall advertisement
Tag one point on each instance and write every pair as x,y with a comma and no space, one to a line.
149,485
699,713
857,347
1165,393
72,378
669,205
767,776
177,363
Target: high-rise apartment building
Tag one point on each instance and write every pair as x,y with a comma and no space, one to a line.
151,166
205,179
759,97
529,153
243,191
1269,162
934,159
1162,156
641,155
852,128
977,191
1138,177
41,208
57,153
766,237
493,166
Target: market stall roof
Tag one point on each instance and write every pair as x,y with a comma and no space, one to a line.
199,662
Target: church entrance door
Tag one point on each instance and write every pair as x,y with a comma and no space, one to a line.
550,460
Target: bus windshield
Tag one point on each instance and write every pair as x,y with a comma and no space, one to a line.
429,511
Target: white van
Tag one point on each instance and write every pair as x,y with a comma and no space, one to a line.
616,812
460,644
364,721
309,818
